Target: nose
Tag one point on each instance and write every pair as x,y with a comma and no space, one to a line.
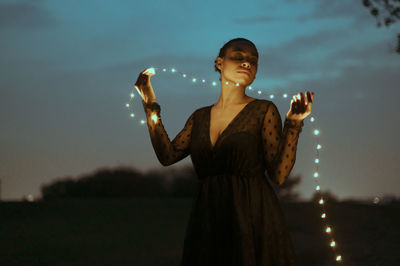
246,65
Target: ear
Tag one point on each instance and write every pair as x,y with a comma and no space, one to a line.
219,62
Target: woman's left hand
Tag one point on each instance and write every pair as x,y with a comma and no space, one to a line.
299,107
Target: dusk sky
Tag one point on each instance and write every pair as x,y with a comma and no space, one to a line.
68,68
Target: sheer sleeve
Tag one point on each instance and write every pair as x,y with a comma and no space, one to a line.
167,152
279,146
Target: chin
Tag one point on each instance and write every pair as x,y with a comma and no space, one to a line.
247,81
244,80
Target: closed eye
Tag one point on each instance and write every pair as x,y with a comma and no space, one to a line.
253,61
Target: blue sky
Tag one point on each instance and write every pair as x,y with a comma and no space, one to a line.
68,68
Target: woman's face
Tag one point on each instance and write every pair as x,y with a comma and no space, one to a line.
239,64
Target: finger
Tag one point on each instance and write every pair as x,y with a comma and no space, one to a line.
144,77
310,102
308,97
291,110
299,107
150,71
303,99
138,80
299,103
303,103
296,104
137,89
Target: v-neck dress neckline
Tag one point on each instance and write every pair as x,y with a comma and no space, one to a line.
212,147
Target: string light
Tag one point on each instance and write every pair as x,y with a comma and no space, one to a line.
316,132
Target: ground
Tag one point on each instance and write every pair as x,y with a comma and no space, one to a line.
151,231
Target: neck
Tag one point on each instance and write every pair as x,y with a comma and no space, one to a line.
231,94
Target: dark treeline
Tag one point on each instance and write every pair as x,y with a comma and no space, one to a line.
124,182
129,182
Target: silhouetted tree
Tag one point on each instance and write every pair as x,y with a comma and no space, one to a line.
125,182
386,12
119,182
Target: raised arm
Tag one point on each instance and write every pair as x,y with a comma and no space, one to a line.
167,152
279,146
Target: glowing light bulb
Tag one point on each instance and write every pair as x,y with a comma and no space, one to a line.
338,258
332,243
376,200
316,160
142,121
259,92
30,197
321,201
323,215
250,88
285,95
127,105
203,81
214,83
318,146
132,115
237,83
316,174
317,188
271,96
312,119
316,132
173,70
164,70
154,117
184,75
194,80
132,95
226,82
328,229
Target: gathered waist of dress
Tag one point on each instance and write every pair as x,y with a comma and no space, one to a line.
207,173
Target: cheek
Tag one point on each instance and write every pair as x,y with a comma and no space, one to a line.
230,67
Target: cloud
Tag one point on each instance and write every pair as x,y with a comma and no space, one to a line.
326,9
25,16
327,52
303,54
252,20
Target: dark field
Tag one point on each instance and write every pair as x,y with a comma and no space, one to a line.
151,231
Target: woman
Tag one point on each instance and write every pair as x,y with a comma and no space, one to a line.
236,217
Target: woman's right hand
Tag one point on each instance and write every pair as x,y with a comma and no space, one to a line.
143,85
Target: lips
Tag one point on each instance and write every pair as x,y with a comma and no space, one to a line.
245,72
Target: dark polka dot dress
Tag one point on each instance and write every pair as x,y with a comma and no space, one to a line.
236,218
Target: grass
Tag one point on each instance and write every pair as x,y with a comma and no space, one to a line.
146,231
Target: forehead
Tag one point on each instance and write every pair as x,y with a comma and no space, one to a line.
243,47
